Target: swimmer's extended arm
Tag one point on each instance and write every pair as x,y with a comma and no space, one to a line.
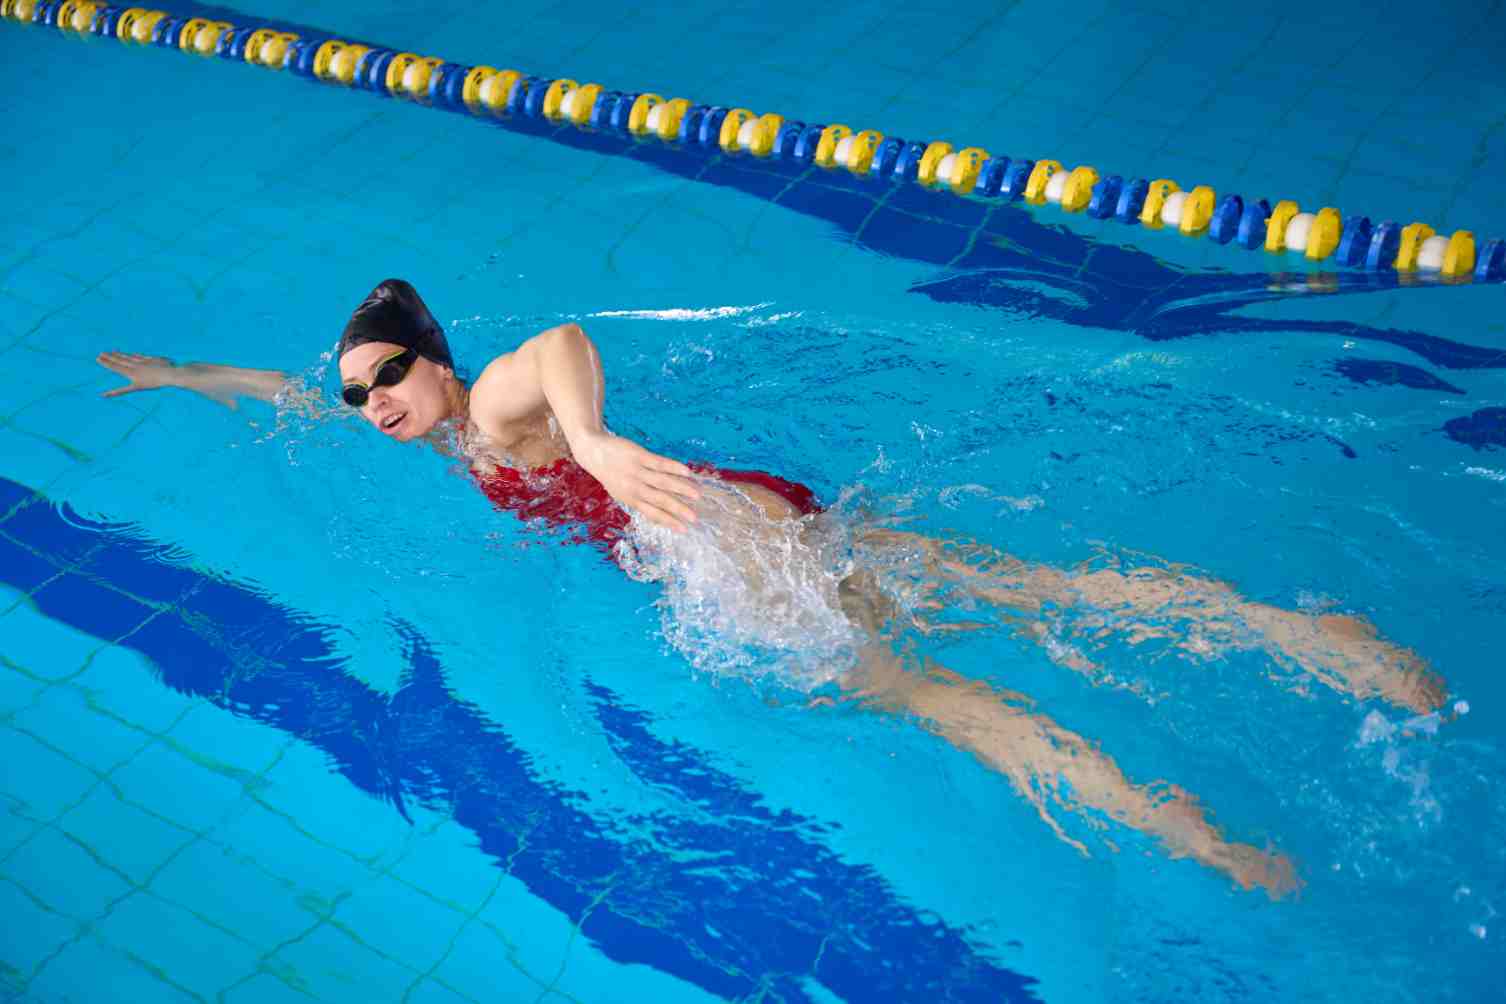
559,373
225,384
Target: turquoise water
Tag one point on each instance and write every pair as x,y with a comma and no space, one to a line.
287,712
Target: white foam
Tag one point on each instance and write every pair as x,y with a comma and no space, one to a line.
682,313
748,596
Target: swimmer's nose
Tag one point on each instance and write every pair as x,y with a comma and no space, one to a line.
376,398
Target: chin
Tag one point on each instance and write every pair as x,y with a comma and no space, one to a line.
414,430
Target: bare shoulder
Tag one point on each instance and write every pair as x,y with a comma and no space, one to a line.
507,398
493,378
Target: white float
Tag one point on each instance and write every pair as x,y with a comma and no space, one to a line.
1171,209
1430,255
1057,185
1297,231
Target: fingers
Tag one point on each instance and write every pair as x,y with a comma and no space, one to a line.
684,487
126,360
119,391
112,361
661,508
665,509
659,517
669,466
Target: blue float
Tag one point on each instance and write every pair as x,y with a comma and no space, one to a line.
991,176
1354,242
1251,232
1131,200
47,13
907,165
710,133
518,97
533,103
1105,197
1015,179
601,112
105,21
690,125
434,93
1491,265
377,61
624,111
362,73
232,44
165,32
886,157
298,59
806,143
785,140
447,86
1384,244
1224,226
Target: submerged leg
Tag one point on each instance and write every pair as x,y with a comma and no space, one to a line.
1044,762
1201,616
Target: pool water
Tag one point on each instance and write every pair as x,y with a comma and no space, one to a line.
287,712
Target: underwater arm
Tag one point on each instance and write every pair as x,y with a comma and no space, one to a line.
225,384
559,371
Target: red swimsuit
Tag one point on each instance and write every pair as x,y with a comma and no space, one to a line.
563,494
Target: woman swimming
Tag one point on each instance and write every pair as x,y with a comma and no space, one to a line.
530,428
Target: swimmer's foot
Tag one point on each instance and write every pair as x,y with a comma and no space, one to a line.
1346,653
1253,868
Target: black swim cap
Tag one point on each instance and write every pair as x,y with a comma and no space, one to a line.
394,312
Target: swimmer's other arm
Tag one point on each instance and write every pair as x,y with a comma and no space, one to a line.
225,384
558,374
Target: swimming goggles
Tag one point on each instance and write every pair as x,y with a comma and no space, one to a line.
390,373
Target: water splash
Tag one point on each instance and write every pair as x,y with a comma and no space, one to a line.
749,596
1408,766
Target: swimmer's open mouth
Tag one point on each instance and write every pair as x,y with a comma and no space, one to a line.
388,424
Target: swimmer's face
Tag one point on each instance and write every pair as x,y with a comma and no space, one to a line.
407,409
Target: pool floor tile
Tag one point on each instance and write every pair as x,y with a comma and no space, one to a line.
17,689
333,810
183,791
39,783
74,976
44,647
264,988
60,873
448,864
400,922
199,957
333,967
431,992
213,881
32,933
125,683
321,875
62,715
134,842
480,966
214,734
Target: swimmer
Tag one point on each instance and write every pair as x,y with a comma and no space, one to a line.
530,428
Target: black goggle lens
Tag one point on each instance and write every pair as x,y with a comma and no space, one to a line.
389,374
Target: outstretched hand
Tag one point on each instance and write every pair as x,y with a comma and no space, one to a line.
143,372
659,488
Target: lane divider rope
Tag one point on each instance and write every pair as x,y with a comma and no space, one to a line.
484,91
